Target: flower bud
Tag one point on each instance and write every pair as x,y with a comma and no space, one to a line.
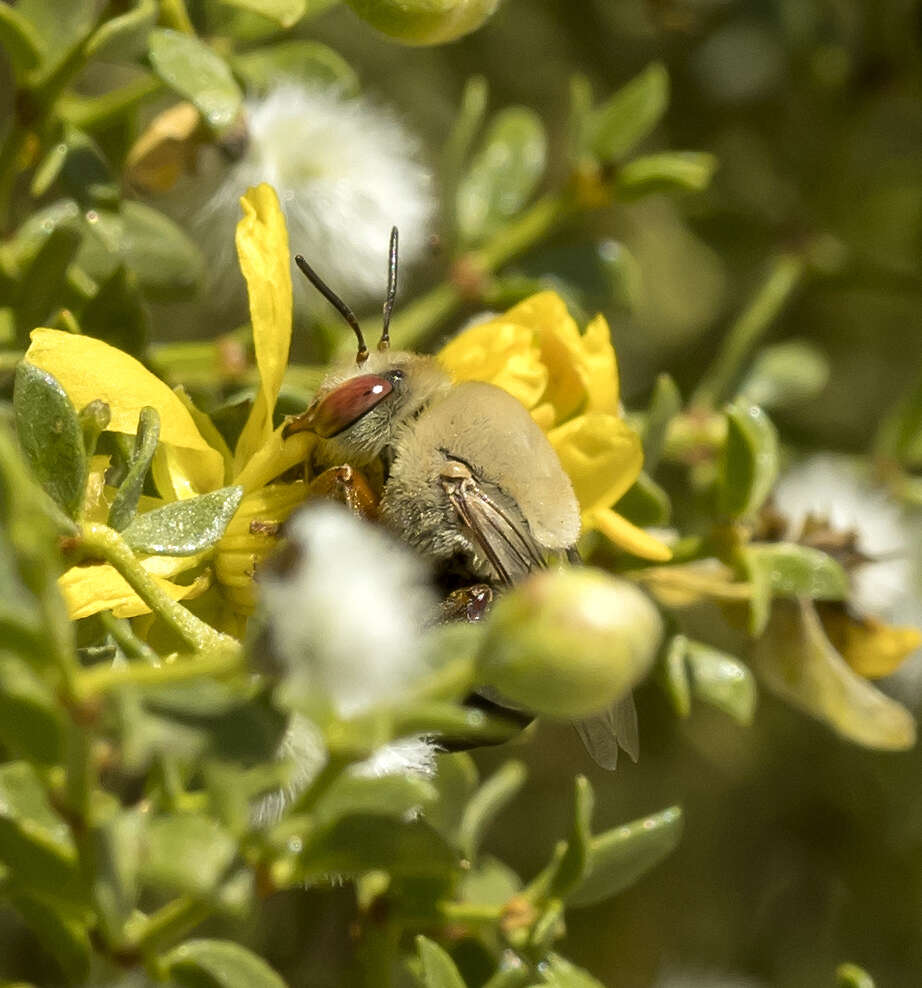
424,22
570,643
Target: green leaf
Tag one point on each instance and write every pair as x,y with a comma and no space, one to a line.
125,503
578,120
50,436
31,725
60,24
192,69
218,964
670,171
126,36
94,420
796,661
287,13
35,843
64,937
627,117
620,856
721,680
486,804
85,173
852,976
490,883
503,175
785,569
47,268
560,973
19,39
646,503
183,528
749,462
665,404
623,276
675,677
367,842
573,864
116,853
387,795
455,781
439,970
785,374
117,315
310,61
186,853
166,262
33,618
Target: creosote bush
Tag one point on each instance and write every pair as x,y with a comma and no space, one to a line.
225,681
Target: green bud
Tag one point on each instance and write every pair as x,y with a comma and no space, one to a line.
570,643
424,22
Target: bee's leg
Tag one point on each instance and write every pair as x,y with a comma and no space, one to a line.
468,603
348,486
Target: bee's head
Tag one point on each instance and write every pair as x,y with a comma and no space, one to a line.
359,409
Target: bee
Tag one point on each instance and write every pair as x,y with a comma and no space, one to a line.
460,472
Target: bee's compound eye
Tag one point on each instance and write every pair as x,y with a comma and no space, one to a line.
347,403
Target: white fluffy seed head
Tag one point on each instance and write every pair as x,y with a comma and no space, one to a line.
304,748
345,619
833,488
345,170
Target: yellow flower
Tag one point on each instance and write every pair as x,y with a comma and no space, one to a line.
569,383
191,457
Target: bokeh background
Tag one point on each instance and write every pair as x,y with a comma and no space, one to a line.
800,851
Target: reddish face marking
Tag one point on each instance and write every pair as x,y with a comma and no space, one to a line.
347,404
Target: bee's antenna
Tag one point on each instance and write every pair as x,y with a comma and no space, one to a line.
337,304
391,296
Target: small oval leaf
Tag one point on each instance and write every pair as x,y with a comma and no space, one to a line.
439,970
192,69
785,569
785,374
721,680
629,115
671,171
309,61
125,502
749,463
35,843
218,964
489,800
184,528
503,175
621,855
185,853
50,436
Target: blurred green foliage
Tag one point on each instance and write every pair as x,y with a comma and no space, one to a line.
773,266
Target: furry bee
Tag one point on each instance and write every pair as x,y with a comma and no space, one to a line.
458,471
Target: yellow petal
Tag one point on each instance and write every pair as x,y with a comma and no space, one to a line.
626,535
88,369
499,352
275,457
873,649
90,589
544,416
601,454
262,246
556,333
598,366
246,545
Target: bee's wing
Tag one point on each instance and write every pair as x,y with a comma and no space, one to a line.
502,537
604,733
